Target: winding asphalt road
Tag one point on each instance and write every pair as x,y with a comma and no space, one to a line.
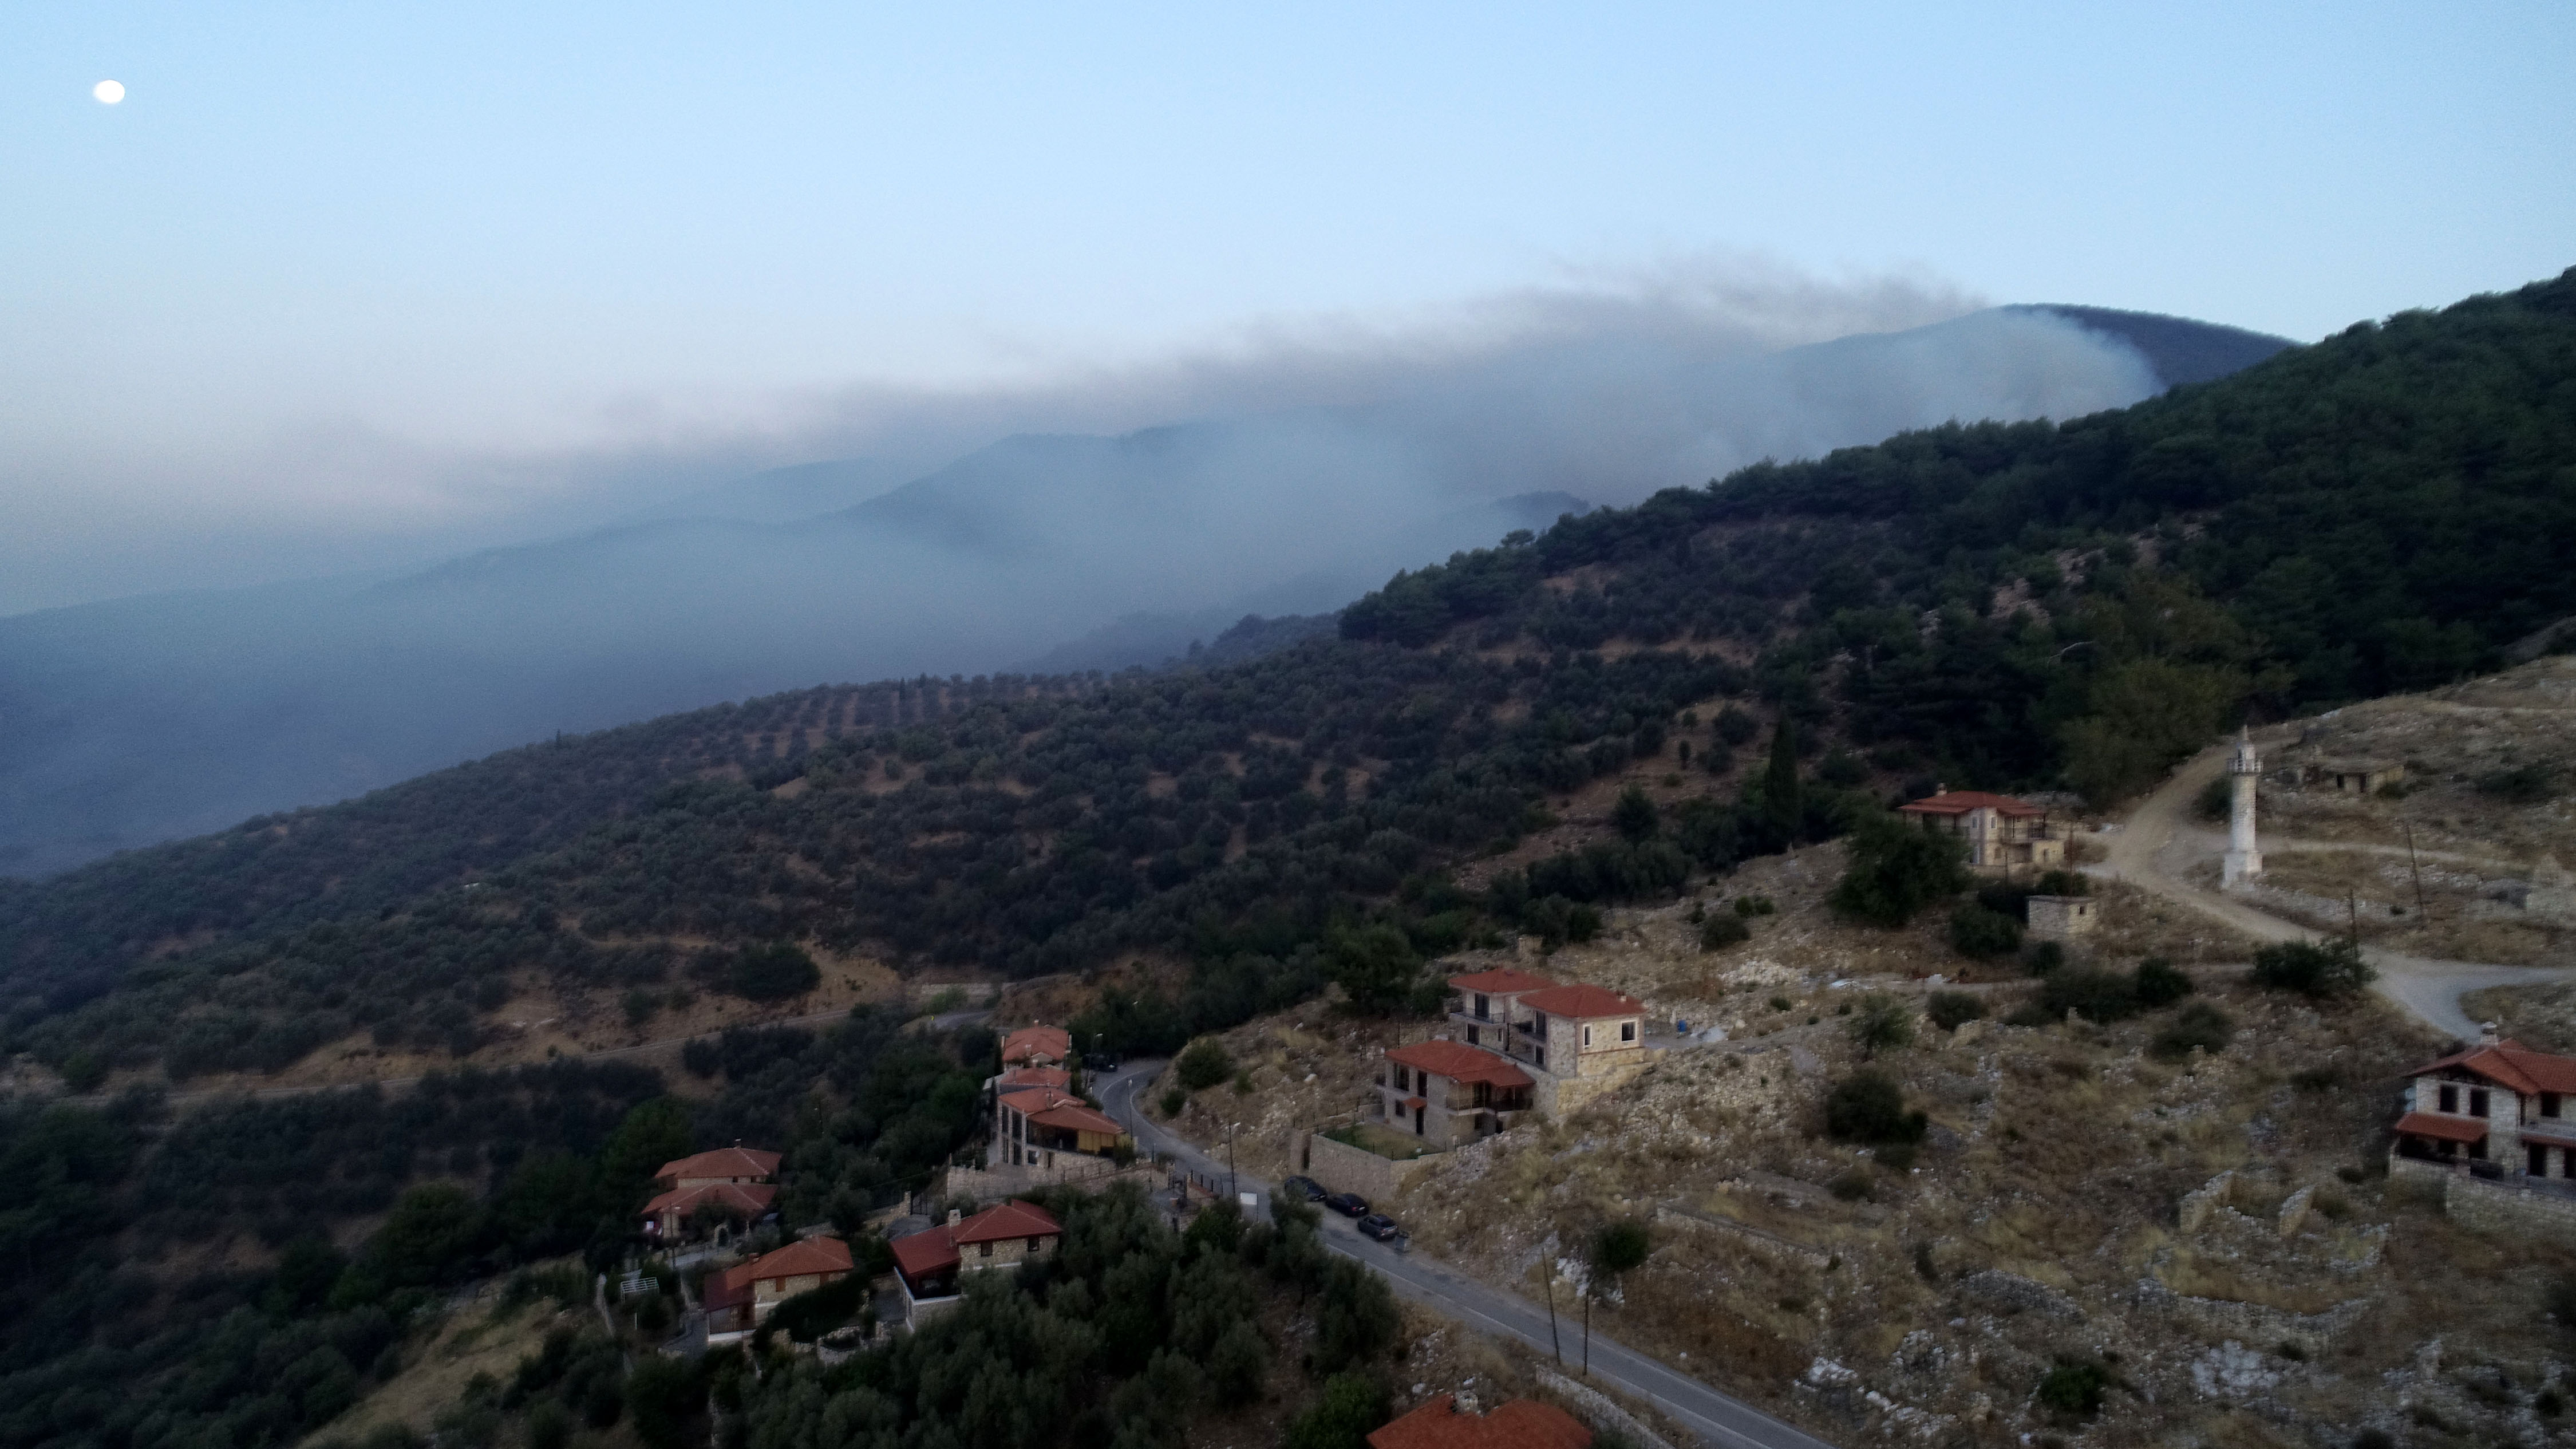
1717,1419
2160,842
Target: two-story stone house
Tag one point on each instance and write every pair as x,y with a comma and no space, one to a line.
738,1183
1035,1123
2002,834
931,1264
2497,1108
1486,1004
739,1298
1448,1093
1570,1041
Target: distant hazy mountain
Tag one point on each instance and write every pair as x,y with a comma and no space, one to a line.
141,719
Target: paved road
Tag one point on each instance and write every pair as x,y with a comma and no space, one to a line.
2160,842
1718,1419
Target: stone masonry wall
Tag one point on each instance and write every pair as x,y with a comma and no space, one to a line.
2497,1207
1341,1167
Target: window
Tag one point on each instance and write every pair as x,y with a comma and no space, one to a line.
2549,1104
1471,1037
1036,1243
2450,1098
1627,1031
2477,1101
984,1250
1483,1010
1587,1036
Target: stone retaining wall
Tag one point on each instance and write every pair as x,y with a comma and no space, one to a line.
2497,1207
1340,1167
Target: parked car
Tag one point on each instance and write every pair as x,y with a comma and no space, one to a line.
1380,1227
1302,1189
1099,1062
1348,1204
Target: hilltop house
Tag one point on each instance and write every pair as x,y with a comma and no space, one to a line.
1450,1421
1037,1046
931,1264
1448,1093
738,1183
2497,1109
2002,834
739,1298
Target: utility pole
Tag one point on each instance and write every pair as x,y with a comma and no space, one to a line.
1548,1271
2352,911
1230,1130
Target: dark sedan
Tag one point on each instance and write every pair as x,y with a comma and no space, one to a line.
1380,1227
1348,1204
1302,1189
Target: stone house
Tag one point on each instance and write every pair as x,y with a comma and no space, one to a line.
2002,835
1486,1004
1034,1122
1571,1041
1452,1421
2353,777
738,1299
2497,1109
1450,1093
931,1265
738,1182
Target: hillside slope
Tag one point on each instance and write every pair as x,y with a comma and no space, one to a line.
1999,605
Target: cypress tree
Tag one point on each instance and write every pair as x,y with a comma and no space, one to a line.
1780,802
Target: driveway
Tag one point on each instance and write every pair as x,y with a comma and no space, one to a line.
1716,1418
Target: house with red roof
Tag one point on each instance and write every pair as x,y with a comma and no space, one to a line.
1448,1093
2497,1109
737,1185
1452,1421
739,1298
2002,835
1483,1008
1037,1046
931,1264
1038,1125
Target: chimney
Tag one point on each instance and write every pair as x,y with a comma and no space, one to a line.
956,1216
1463,1403
1940,788
737,1142
2487,1034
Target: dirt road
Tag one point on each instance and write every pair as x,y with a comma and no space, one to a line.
2159,843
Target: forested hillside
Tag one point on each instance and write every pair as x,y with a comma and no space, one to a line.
1992,605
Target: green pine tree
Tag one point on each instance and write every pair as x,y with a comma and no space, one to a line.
1780,803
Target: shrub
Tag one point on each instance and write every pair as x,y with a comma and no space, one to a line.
1719,932
1978,932
1869,1107
2215,800
1754,906
1896,871
773,972
1174,1099
1780,1003
2098,996
1203,1064
2197,1025
2159,983
2075,1388
1949,1010
2043,957
2324,971
1883,1022
1635,816
1851,1185
2528,785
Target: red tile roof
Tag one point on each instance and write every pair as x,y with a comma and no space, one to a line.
748,1199
1960,802
1013,1219
1502,981
2447,1129
1056,1077
1036,1043
2513,1065
1583,1002
748,1162
1051,1108
1459,1062
806,1255
1515,1424
925,1254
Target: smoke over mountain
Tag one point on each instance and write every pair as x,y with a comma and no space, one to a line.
144,718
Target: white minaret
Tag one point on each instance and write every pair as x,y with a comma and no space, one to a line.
2243,862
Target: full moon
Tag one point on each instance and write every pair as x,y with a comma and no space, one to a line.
108,92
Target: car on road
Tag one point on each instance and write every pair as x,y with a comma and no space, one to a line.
1348,1204
1380,1227
1302,1189
1099,1062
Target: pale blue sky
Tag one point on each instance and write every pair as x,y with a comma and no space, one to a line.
323,251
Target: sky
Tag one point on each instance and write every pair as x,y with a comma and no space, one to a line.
347,286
